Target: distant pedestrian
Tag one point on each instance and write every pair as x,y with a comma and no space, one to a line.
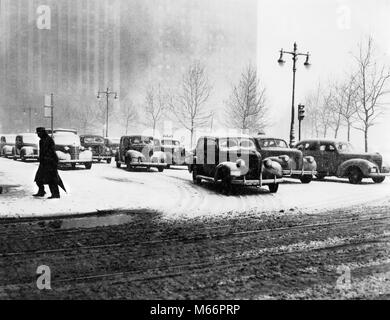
48,162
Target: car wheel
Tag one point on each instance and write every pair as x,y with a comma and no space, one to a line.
23,159
109,160
128,166
306,179
195,178
73,165
118,164
320,176
378,179
168,166
355,175
88,165
273,187
160,169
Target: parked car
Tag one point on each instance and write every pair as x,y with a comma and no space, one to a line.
340,159
139,151
112,144
7,145
233,160
26,147
69,150
96,144
174,151
293,163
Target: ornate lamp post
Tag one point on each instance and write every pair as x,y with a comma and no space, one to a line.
107,93
281,62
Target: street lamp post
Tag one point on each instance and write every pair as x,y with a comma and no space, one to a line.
281,62
107,93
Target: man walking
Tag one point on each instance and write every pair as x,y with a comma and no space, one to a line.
48,161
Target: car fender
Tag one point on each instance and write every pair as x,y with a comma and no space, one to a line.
309,166
62,155
363,164
86,155
130,154
27,150
228,169
285,165
274,168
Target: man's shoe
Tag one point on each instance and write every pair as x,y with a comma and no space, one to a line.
54,197
39,194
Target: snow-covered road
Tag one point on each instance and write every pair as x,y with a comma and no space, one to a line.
171,192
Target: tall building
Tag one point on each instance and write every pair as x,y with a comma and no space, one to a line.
89,45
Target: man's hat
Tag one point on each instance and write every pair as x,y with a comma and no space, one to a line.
40,129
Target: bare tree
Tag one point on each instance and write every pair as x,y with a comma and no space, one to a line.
371,81
246,108
312,120
155,106
345,103
127,114
189,106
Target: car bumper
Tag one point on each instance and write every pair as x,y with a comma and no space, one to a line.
289,173
75,161
148,164
378,174
101,157
245,182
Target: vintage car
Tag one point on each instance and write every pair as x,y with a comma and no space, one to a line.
293,163
96,144
233,161
174,151
112,144
338,158
7,145
69,150
139,151
26,147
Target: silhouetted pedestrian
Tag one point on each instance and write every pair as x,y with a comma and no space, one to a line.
48,162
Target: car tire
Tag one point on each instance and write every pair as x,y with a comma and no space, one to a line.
109,160
227,187
88,166
355,176
23,158
128,166
160,169
195,179
378,179
306,179
320,176
273,187
73,165
118,164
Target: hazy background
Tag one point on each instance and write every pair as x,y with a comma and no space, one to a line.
127,45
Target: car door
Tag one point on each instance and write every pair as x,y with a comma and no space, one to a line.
328,156
311,148
210,156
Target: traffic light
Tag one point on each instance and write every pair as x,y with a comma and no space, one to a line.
301,111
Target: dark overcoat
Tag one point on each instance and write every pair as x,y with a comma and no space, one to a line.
48,162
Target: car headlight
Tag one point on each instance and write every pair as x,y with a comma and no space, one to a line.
268,163
309,159
285,158
373,170
240,163
66,148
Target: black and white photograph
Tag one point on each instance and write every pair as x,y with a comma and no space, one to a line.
186,150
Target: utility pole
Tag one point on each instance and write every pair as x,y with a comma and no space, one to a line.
107,93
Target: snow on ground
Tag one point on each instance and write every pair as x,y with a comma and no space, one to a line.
171,192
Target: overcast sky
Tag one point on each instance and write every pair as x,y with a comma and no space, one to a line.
330,30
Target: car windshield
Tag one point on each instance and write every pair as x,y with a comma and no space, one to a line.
66,139
272,143
33,139
235,143
141,139
345,147
93,140
170,142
